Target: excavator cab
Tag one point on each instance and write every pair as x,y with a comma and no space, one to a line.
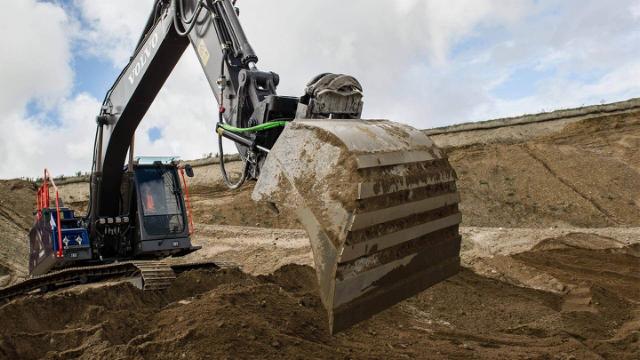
162,218
154,223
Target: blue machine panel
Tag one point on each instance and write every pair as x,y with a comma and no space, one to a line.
44,241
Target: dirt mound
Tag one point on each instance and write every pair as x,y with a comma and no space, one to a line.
205,315
601,301
17,200
215,204
578,241
587,175
232,315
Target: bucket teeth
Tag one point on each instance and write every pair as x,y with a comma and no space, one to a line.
380,205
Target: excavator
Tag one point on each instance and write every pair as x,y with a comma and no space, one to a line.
377,198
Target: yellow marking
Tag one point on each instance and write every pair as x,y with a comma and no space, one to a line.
203,52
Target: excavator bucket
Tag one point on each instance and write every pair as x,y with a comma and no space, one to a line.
379,203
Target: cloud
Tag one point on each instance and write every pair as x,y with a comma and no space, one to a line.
635,10
112,28
576,57
399,50
35,70
35,55
423,62
185,111
28,145
432,63
446,23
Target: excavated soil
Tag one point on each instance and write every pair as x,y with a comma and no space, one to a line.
217,205
551,256
233,315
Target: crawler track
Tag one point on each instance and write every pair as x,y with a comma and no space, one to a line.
153,275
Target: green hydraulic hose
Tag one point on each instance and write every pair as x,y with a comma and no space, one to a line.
261,127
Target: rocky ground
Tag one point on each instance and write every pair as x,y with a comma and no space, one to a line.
551,255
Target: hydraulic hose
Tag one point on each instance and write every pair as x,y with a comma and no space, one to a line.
193,16
221,121
245,168
257,128
180,17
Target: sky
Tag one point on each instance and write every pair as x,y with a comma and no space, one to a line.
426,63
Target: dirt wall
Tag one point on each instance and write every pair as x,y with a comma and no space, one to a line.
586,175
526,127
17,202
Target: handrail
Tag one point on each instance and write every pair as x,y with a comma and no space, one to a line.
186,192
43,201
